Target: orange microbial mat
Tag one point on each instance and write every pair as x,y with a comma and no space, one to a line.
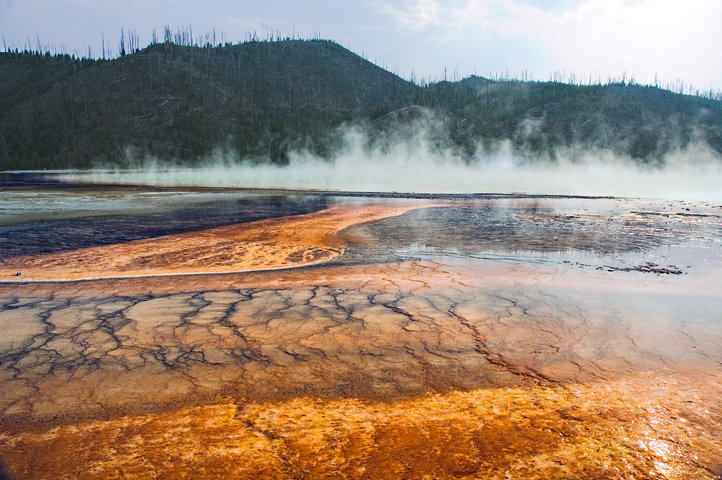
367,338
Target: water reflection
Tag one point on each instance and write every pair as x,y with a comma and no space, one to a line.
624,241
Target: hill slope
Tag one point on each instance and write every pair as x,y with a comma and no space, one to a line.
261,100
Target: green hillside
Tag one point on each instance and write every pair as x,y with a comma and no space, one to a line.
261,100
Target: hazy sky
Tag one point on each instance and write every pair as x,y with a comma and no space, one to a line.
599,37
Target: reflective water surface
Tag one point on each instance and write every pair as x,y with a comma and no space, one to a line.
448,338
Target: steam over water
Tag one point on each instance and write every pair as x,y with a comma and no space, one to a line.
414,165
689,182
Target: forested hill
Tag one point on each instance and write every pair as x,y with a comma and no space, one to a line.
262,100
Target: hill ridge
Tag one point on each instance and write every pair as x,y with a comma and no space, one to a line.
262,100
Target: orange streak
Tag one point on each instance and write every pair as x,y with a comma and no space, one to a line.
267,244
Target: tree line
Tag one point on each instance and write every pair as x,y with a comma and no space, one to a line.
261,100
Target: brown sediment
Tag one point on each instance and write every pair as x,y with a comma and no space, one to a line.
262,245
582,431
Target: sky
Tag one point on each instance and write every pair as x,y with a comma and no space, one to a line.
644,39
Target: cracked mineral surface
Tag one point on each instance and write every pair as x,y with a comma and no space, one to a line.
468,338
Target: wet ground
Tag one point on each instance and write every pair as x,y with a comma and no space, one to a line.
64,218
613,236
458,338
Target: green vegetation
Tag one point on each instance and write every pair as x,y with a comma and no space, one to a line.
261,100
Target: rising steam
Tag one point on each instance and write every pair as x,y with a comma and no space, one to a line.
415,162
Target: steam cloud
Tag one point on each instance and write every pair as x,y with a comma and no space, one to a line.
415,163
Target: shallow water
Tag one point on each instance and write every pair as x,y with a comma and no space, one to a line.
55,219
464,338
601,235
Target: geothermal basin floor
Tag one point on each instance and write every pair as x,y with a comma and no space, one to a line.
517,338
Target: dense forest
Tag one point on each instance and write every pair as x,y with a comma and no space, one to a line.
259,100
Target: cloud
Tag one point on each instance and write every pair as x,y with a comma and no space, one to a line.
551,5
598,37
416,15
644,38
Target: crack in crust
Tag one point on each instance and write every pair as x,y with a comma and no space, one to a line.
383,334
